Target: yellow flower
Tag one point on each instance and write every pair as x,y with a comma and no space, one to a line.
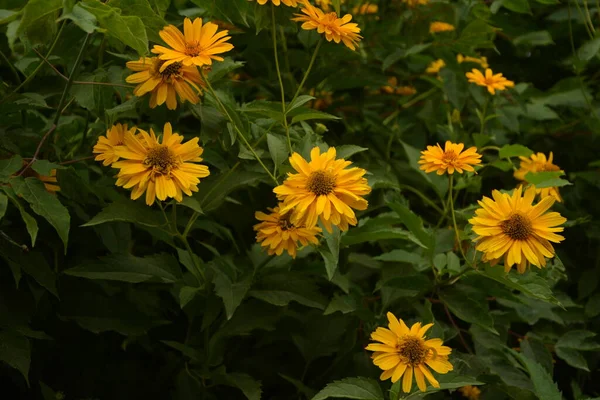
451,158
290,3
406,352
106,145
323,188
324,4
406,90
435,66
365,9
393,88
162,169
278,233
490,81
539,163
198,45
438,26
510,227
481,60
414,3
49,181
334,28
470,392
164,86
323,99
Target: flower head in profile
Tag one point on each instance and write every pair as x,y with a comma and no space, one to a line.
107,145
197,45
449,159
477,60
277,233
324,189
328,24
162,169
165,85
289,3
437,26
415,3
403,353
434,67
490,80
470,392
513,229
539,163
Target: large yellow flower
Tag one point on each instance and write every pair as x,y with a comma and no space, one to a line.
334,28
162,169
451,158
278,233
106,145
510,227
164,86
539,163
198,45
289,3
435,66
406,352
323,188
438,26
470,392
490,80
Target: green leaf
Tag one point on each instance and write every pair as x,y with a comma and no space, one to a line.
468,309
300,101
531,285
187,294
213,190
331,254
589,49
399,255
414,223
127,211
406,285
39,15
543,385
578,340
45,167
30,222
231,292
451,380
128,268
514,150
35,265
44,204
375,229
7,16
127,29
9,167
348,150
305,114
546,179
142,9
352,388
15,350
3,204
477,34
572,357
342,303
247,384
519,6
82,18
278,148
269,109
455,86
537,38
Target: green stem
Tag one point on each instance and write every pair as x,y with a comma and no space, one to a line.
274,34
237,129
423,197
451,200
419,98
310,65
485,107
197,266
11,66
481,150
288,70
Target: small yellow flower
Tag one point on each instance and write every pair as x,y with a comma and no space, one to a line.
107,145
393,88
415,3
490,81
289,3
165,85
323,189
162,168
539,163
323,99
365,9
406,352
511,228
435,66
278,233
197,45
334,28
406,90
438,26
451,158
481,60
470,392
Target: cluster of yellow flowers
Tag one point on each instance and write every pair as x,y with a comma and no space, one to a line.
509,227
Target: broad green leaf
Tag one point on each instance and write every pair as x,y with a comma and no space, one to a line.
514,150
375,229
406,285
531,285
127,211
572,357
455,86
38,19
478,34
544,387
214,189
44,204
520,6
546,179
589,49
82,18
305,114
278,148
45,167
30,222
191,203
283,298
3,204
128,268
231,292
537,38
351,388
348,150
247,384
468,309
414,223
9,167
15,350
300,101
399,255
540,112
187,294
269,109
579,340
331,254
342,303
141,8
35,265
7,16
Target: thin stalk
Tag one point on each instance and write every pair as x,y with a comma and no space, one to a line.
451,200
193,257
288,70
11,66
420,97
585,23
423,197
485,107
237,129
589,16
310,65
274,34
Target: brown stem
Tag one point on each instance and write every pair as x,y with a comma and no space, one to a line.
460,335
37,150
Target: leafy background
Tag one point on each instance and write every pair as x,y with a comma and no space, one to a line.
97,300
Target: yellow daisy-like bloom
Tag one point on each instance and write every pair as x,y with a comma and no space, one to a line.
163,168
197,45
510,227
107,145
478,60
289,3
277,233
451,158
365,9
489,80
334,28
438,26
175,80
470,392
415,3
539,163
435,66
323,188
393,88
406,352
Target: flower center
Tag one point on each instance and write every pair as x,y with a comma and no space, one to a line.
450,157
517,227
193,49
413,350
160,159
321,183
173,69
284,222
